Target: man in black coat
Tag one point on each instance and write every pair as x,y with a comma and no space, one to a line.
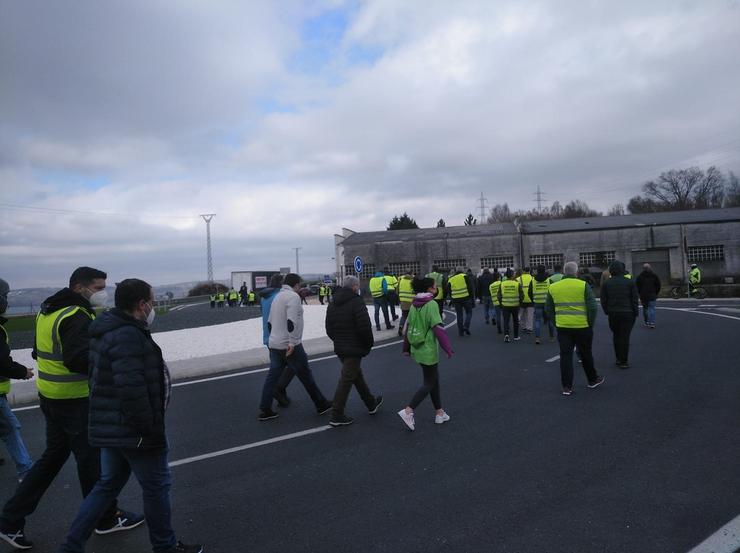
648,287
348,325
129,393
619,302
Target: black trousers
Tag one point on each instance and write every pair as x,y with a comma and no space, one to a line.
66,433
351,376
513,313
621,326
581,339
429,388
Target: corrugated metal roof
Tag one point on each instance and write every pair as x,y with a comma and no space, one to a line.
551,225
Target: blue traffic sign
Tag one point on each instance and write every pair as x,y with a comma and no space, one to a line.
327,279
358,264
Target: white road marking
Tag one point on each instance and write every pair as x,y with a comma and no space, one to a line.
552,359
724,540
244,447
693,310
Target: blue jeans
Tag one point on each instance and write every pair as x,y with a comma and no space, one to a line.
463,304
153,473
10,433
648,311
488,311
541,317
298,362
381,303
497,313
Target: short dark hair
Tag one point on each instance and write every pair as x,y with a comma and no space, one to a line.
421,285
558,268
291,279
130,292
85,276
276,280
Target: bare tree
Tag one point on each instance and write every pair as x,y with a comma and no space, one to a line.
732,197
680,189
500,213
616,209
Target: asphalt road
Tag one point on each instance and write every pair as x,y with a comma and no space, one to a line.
645,463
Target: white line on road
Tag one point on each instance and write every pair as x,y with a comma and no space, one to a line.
244,447
552,359
693,310
724,540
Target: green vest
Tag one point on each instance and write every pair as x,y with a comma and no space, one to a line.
213,297
525,279
568,295
459,286
439,279
376,286
510,293
405,290
695,276
233,295
221,296
392,282
250,296
5,382
493,289
539,290
54,380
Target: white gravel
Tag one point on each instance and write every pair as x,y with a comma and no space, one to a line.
193,343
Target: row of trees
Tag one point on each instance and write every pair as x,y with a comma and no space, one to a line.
674,190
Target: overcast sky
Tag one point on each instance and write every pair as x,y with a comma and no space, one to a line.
291,120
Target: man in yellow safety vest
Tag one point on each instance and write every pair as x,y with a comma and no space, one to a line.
526,313
392,293
61,351
406,297
379,292
462,291
510,297
571,304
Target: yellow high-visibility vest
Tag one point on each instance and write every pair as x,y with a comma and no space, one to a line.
54,380
539,291
524,280
376,286
568,295
459,287
405,290
392,282
510,293
493,288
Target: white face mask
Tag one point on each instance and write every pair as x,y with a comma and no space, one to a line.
98,299
150,316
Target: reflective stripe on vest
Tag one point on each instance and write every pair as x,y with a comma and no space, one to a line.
568,295
525,279
54,380
539,291
459,287
5,382
510,293
391,281
376,286
405,290
493,289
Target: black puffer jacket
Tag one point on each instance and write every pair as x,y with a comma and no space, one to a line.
648,285
348,325
619,293
127,384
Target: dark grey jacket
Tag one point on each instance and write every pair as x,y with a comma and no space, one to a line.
348,325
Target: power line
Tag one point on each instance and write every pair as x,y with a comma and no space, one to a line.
85,212
540,197
482,201
207,218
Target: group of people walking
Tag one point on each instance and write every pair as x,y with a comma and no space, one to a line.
233,298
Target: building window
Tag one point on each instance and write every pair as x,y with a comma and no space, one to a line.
595,259
549,260
368,271
497,262
444,264
706,253
403,266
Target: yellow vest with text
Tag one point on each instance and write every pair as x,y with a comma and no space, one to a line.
525,279
569,295
5,382
493,289
376,286
405,290
510,293
459,287
539,291
54,380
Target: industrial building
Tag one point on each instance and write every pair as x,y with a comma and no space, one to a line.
669,241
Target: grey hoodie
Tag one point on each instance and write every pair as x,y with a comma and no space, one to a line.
285,322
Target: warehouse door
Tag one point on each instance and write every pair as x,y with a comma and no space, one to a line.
659,260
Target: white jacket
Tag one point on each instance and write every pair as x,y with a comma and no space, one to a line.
285,322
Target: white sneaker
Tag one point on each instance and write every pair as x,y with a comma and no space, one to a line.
440,419
407,419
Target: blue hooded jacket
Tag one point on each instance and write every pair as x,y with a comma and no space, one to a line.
266,297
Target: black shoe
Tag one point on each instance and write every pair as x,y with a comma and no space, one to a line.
324,408
341,420
378,403
598,382
377,328
267,414
16,539
395,317
184,548
123,520
390,326
282,398
467,331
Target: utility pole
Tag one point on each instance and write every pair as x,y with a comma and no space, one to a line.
207,218
482,201
297,266
540,196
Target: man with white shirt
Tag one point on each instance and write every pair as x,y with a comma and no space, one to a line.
285,328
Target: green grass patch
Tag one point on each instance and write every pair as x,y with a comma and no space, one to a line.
20,323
